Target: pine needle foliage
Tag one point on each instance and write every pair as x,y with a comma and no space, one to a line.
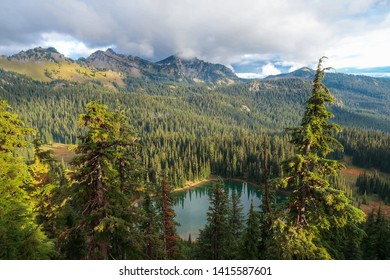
314,206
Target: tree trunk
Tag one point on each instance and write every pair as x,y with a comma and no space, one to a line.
266,204
98,248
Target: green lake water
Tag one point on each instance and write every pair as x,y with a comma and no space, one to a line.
191,205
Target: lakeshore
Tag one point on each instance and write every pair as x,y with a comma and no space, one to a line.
190,185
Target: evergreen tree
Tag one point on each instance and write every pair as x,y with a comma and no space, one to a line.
47,180
351,244
252,233
213,240
106,218
151,230
314,206
265,215
170,238
382,236
235,218
369,241
376,243
20,236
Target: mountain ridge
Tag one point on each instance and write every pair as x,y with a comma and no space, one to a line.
358,84
39,62
303,72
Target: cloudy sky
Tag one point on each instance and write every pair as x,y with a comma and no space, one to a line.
254,37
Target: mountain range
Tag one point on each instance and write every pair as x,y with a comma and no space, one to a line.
110,68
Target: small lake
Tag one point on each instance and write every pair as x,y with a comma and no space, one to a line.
191,205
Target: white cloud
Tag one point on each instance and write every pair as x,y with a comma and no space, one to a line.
67,45
350,32
369,48
293,68
266,70
250,75
269,69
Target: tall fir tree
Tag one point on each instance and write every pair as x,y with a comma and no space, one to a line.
105,216
151,229
20,236
213,239
314,206
170,238
369,243
266,213
382,236
235,221
252,234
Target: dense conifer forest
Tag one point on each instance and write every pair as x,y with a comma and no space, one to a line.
134,145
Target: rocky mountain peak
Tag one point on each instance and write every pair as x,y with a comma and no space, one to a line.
178,60
109,50
40,54
196,70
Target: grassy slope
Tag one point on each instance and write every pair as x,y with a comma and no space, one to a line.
46,71
350,175
61,152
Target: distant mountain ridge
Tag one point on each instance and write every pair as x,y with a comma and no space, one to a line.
356,84
129,65
173,68
303,73
197,70
45,64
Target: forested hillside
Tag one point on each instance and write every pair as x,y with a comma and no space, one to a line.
190,131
